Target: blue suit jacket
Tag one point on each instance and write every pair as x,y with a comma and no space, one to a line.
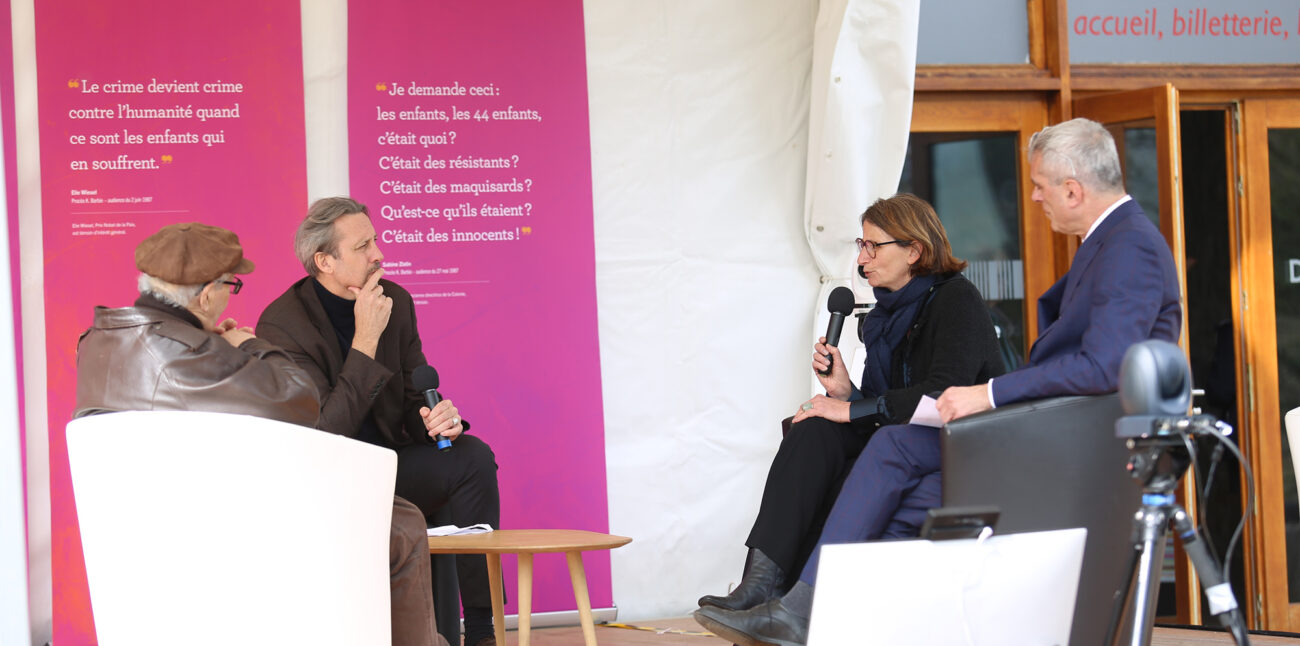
1122,288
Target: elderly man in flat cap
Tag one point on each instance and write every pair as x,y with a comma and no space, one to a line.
172,350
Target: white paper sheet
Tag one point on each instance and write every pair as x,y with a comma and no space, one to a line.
926,413
452,530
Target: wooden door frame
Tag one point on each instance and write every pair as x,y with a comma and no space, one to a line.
1259,355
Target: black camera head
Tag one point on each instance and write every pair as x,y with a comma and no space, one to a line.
1155,379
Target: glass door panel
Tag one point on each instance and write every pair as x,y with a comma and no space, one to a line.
970,178
1284,201
1138,153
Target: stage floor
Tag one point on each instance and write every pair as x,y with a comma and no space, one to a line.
683,631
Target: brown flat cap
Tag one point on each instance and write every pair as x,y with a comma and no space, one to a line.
191,253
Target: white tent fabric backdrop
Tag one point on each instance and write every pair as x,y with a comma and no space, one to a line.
712,260
864,64
700,121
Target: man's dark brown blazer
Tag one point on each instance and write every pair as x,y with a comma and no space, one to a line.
355,385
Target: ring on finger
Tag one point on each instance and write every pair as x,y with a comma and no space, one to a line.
455,421
806,406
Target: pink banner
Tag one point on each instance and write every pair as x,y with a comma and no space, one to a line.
468,140
152,113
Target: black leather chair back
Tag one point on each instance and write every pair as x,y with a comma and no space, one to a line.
1053,464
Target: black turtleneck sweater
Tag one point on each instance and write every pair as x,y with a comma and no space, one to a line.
343,318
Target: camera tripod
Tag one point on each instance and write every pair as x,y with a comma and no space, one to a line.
1159,460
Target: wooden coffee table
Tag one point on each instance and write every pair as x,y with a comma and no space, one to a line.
525,543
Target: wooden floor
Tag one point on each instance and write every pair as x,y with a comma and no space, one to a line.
685,632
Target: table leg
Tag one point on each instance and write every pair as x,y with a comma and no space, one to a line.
498,607
525,597
579,576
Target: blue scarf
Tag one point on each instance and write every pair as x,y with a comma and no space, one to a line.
884,328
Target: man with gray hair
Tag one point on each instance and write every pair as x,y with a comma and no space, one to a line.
172,350
355,335
1122,286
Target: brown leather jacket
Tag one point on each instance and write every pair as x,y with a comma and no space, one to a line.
153,356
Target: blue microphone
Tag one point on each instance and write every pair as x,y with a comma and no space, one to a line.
425,378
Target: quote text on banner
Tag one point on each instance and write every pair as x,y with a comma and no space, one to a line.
154,113
468,141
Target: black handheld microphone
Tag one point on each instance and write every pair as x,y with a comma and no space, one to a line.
840,305
425,378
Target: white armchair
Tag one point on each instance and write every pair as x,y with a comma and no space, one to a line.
207,528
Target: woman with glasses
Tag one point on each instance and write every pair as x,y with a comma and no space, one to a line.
929,330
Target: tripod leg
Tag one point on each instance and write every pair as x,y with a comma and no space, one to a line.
1153,522
1222,604
1122,599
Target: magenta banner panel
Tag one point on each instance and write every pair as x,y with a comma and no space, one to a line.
468,140
153,112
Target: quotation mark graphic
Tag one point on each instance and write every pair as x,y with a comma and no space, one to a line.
382,87
527,230
74,83
166,159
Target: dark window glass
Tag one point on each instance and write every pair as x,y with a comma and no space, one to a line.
970,178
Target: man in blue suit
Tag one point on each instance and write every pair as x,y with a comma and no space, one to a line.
1122,288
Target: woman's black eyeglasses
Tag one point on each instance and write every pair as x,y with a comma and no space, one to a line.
870,247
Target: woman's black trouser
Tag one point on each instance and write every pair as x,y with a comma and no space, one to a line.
806,475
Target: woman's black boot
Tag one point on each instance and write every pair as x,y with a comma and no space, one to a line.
762,581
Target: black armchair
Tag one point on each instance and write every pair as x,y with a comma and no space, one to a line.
1053,464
